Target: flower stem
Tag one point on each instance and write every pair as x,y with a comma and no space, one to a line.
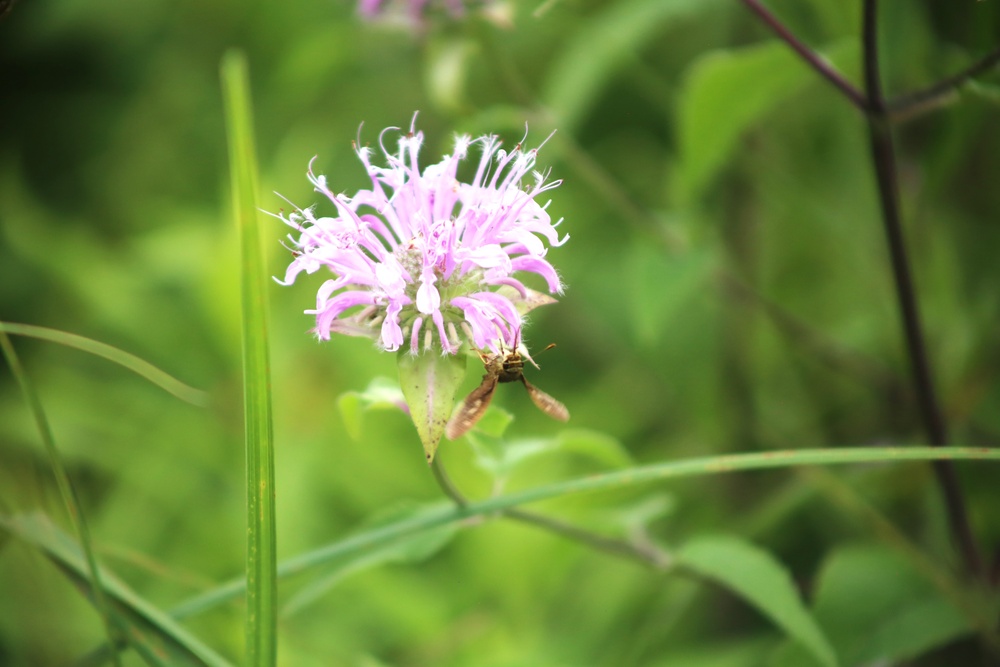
884,161
648,554
444,481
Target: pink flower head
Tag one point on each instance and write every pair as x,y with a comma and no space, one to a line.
421,255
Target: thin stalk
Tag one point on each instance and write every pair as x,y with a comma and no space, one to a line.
812,58
629,478
444,481
884,161
113,354
647,554
931,96
67,491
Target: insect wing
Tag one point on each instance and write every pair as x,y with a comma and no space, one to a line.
473,408
546,403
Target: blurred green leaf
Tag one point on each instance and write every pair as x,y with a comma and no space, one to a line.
607,42
380,394
501,458
153,634
488,452
762,581
429,382
903,615
495,422
661,285
594,445
446,71
352,408
724,93
985,91
414,548
743,653
635,516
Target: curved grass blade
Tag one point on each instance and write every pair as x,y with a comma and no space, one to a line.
709,465
152,633
66,489
130,361
262,588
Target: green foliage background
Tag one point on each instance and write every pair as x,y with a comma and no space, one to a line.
729,291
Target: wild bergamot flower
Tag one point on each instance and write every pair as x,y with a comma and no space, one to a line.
422,259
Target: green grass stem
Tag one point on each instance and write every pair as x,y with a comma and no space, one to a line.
66,489
702,466
130,361
261,577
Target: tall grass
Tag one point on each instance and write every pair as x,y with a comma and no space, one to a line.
261,562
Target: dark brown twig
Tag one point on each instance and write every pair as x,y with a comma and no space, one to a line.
884,160
822,67
906,104
877,114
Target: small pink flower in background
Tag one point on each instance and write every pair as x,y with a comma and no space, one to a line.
415,12
421,259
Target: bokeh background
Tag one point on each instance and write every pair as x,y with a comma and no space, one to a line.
729,290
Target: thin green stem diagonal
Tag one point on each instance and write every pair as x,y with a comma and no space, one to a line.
713,465
66,490
130,361
645,554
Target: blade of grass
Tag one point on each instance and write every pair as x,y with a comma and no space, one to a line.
710,465
262,591
120,357
66,489
152,633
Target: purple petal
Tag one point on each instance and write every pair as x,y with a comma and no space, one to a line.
428,297
335,306
415,335
392,334
541,267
